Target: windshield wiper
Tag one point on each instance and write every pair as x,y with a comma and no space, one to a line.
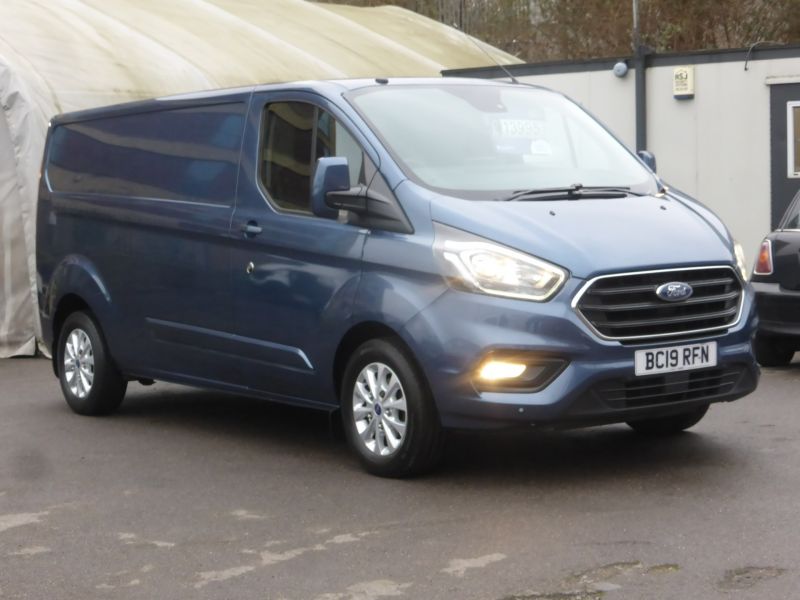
575,191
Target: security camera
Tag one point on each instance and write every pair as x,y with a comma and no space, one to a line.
621,69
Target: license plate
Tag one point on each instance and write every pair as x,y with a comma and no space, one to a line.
676,358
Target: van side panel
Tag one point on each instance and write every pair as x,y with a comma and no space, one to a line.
147,198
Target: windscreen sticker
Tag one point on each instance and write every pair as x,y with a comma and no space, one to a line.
541,148
518,128
523,137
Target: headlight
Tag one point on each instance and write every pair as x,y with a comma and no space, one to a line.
741,263
477,265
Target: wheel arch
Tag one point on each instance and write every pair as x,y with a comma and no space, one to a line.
67,305
76,285
359,334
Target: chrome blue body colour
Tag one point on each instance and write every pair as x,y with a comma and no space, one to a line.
196,277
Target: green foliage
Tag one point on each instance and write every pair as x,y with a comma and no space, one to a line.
537,30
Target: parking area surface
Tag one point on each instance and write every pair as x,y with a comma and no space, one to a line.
186,493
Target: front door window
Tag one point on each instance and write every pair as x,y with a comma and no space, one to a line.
296,134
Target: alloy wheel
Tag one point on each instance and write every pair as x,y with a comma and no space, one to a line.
79,363
379,409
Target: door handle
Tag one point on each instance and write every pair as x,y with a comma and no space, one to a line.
251,228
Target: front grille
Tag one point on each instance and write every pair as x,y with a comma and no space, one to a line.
625,307
637,392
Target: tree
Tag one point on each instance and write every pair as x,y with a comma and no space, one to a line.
538,30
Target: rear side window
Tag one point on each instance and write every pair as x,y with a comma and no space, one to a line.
791,219
189,154
296,134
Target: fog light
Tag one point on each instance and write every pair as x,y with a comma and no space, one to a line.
497,370
517,371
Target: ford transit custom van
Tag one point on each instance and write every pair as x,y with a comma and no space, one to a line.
419,255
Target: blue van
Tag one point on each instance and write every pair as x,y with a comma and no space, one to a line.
420,255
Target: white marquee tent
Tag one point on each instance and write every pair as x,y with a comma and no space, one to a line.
64,55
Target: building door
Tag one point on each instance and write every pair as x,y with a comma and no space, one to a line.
785,146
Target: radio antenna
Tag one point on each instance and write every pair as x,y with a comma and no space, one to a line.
486,52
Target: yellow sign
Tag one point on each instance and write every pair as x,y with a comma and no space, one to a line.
683,82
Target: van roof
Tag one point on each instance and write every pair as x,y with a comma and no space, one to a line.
331,87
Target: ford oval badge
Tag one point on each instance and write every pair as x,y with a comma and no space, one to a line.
674,291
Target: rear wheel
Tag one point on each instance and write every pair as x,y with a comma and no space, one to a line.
773,352
90,381
669,425
388,413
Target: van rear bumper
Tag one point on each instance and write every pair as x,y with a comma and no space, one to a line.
598,386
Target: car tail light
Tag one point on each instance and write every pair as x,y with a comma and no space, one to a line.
764,260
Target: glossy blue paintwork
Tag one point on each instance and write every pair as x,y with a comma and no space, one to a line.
647,232
449,349
76,274
184,294
162,247
130,155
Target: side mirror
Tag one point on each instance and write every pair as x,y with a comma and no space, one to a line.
648,158
331,175
331,191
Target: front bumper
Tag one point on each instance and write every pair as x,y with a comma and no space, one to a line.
451,336
778,310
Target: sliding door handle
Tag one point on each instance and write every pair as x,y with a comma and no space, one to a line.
251,228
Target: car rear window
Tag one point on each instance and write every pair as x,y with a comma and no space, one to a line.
791,220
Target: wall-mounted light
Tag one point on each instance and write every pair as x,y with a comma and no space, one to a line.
620,68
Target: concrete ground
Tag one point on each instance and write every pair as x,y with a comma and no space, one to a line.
186,493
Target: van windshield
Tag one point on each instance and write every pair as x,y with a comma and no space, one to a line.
487,141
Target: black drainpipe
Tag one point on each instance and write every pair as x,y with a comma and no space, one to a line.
640,65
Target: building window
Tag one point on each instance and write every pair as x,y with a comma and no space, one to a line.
793,139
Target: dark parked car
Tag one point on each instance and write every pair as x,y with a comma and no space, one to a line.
776,279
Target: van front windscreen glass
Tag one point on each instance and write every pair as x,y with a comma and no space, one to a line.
480,140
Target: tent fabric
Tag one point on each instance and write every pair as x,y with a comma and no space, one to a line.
64,55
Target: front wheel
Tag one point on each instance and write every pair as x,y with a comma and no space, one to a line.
90,381
669,425
388,413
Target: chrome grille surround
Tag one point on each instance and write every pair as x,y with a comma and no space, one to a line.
722,278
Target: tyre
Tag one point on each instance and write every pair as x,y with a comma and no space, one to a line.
90,381
669,425
773,352
388,413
